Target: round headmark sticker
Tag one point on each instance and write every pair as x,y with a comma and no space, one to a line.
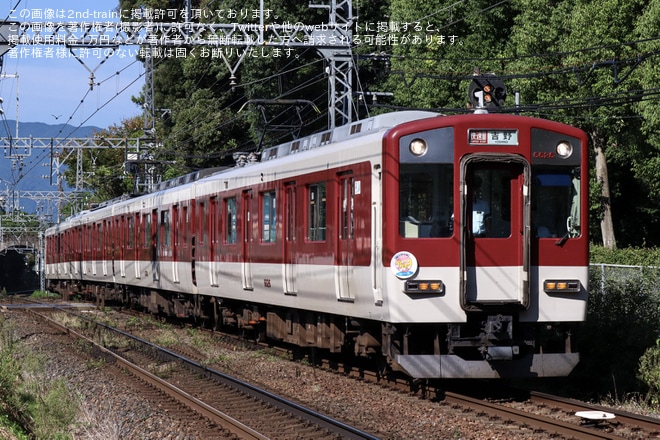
403,264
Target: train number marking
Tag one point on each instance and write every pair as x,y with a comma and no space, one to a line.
544,155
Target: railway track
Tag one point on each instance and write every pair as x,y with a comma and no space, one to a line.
558,416
544,415
231,405
541,412
564,422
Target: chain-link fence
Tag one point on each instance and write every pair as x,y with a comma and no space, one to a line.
622,324
600,275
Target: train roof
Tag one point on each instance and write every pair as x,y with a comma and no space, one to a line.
356,129
362,127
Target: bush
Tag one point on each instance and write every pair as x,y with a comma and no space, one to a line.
623,320
40,294
43,407
618,342
649,373
628,256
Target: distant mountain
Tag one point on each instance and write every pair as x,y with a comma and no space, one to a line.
30,170
41,130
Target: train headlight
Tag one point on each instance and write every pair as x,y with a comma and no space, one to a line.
561,286
418,147
564,149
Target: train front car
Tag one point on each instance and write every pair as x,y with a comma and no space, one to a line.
485,237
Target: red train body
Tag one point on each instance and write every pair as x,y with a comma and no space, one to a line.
450,246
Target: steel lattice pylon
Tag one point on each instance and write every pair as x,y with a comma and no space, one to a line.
332,40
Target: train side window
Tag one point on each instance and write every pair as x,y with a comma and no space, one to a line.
316,212
426,200
107,238
214,221
182,226
204,235
88,239
146,227
230,225
268,217
99,235
174,227
131,233
165,225
347,207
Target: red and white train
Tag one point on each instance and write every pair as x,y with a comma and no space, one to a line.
450,246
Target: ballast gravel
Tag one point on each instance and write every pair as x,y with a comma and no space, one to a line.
110,408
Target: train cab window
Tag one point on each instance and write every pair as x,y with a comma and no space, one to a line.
316,211
231,216
426,200
268,217
556,202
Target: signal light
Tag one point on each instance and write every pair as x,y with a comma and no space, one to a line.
487,91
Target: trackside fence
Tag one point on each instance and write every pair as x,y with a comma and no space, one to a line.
601,275
622,327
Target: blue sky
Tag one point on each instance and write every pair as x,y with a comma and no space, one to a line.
55,91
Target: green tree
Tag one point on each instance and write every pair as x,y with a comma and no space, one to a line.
582,48
647,165
584,62
441,47
211,111
104,176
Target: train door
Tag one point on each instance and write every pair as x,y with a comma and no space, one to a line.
116,247
85,254
106,240
137,248
214,238
122,239
155,246
246,266
346,238
289,220
165,242
175,243
495,230
98,247
191,232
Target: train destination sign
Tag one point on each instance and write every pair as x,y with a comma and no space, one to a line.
493,137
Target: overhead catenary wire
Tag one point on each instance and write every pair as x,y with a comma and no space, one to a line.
440,76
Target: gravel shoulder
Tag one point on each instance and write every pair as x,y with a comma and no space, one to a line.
111,408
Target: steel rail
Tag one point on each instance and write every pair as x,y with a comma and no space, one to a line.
340,429
227,422
625,417
548,424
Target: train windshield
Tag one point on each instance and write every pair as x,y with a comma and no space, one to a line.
556,202
426,200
